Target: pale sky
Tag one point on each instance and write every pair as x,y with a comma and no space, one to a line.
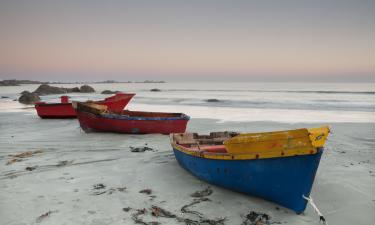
70,40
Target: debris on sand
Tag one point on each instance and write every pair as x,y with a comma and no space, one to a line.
137,220
64,163
26,154
212,100
159,212
43,216
121,189
31,168
20,156
188,221
219,221
202,220
91,211
13,161
199,194
255,218
98,186
140,149
111,190
126,209
146,191
184,209
99,192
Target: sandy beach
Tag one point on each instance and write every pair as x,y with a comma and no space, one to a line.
80,178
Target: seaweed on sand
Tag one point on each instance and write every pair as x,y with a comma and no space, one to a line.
256,218
199,194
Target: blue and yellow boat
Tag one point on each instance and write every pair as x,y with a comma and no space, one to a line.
276,166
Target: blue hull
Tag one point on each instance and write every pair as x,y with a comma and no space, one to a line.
281,180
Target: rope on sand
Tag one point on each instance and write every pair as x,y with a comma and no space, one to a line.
311,202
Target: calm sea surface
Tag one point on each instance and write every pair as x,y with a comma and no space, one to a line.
280,102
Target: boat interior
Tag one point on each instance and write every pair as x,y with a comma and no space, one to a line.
90,107
150,114
102,109
212,143
260,145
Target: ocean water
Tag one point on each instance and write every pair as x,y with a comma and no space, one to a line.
246,101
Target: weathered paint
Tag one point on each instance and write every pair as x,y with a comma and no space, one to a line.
318,136
131,125
278,144
277,166
281,180
285,145
55,110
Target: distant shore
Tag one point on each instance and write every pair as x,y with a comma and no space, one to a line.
15,82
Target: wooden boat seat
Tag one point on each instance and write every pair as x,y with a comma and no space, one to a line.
210,148
90,106
215,138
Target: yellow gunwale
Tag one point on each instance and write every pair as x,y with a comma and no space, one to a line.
227,156
313,149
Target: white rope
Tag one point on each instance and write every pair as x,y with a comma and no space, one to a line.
311,201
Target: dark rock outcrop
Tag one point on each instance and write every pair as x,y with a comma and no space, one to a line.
46,89
28,98
108,92
75,89
87,89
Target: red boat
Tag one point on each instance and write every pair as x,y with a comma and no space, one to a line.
65,109
94,117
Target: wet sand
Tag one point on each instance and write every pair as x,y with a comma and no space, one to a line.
80,178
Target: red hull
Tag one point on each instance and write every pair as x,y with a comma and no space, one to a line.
92,122
114,103
58,110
